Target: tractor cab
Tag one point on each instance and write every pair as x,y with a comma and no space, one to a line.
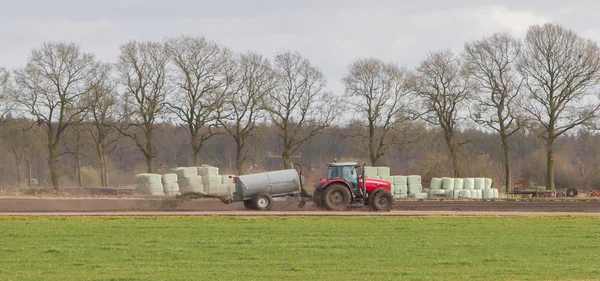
346,171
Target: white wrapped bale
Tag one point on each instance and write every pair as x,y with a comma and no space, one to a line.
436,183
148,178
155,188
418,195
479,183
184,172
171,189
211,184
383,172
459,184
190,184
469,183
487,183
465,193
455,193
448,183
437,192
488,193
414,180
496,193
371,172
400,180
477,193
169,178
207,171
415,189
225,179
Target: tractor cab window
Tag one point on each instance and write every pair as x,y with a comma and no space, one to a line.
334,172
350,174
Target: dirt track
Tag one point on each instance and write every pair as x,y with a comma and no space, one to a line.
145,206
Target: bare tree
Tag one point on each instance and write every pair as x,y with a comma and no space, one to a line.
300,107
203,74
561,71
103,118
143,74
254,81
443,86
53,87
6,102
492,63
378,93
15,140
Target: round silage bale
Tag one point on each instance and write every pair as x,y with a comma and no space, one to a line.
496,193
465,193
383,171
448,183
415,189
148,178
414,180
488,193
436,183
459,184
469,183
487,183
479,183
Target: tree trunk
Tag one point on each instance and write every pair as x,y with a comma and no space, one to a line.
103,177
196,151
453,154
19,175
286,158
29,165
78,170
149,162
507,168
239,160
52,161
550,165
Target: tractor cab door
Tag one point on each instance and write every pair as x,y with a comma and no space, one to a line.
351,176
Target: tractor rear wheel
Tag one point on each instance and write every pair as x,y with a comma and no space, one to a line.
262,201
248,204
383,201
337,197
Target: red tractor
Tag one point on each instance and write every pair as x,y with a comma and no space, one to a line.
346,184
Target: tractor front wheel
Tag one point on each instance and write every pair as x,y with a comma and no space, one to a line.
383,201
337,197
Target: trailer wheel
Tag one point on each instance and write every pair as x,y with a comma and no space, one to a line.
572,192
248,204
383,201
337,197
262,201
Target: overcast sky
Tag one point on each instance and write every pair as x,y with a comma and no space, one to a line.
330,33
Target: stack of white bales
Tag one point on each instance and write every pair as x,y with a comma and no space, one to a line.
170,185
400,186
149,184
210,179
188,179
227,186
478,188
415,188
459,185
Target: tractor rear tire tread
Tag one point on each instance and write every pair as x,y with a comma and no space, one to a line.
333,192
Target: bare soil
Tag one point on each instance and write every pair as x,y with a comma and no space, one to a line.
161,206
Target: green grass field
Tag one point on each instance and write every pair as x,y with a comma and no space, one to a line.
299,248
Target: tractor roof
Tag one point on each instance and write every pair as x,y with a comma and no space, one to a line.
342,164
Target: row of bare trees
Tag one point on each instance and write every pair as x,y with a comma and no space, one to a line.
545,84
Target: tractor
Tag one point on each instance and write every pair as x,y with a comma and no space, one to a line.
346,184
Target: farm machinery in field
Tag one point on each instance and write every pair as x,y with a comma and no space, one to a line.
345,185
